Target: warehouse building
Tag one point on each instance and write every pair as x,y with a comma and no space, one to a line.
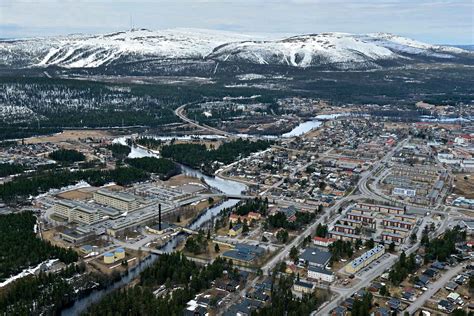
243,253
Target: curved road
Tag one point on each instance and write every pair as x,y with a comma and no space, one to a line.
180,113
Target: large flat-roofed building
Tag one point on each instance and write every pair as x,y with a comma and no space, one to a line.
83,213
404,192
365,259
118,200
62,208
76,236
315,257
76,212
243,253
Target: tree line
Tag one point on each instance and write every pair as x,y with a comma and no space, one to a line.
165,168
199,157
67,155
30,185
119,151
7,169
257,205
20,248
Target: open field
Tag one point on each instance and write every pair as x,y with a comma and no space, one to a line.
68,135
464,185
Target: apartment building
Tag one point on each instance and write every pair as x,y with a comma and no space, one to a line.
365,259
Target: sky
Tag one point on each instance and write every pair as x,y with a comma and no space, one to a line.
435,21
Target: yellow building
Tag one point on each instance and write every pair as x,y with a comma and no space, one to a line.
118,200
235,230
365,259
77,212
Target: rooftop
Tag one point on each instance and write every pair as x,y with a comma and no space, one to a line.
117,195
367,255
316,256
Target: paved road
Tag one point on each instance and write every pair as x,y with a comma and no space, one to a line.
180,113
433,288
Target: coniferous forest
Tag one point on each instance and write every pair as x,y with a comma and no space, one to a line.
198,156
15,255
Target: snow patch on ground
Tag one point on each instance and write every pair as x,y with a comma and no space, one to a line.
26,272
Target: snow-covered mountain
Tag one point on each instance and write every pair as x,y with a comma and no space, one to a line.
335,50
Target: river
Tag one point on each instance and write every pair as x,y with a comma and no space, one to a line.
215,183
307,126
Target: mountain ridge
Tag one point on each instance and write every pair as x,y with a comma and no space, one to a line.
342,51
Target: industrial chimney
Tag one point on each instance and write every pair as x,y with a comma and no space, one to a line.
159,216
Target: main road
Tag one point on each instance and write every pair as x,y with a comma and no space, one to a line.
180,113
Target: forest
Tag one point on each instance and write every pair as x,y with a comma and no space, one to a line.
119,151
24,186
31,251
7,169
171,270
199,157
257,205
441,248
164,168
67,155
148,142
